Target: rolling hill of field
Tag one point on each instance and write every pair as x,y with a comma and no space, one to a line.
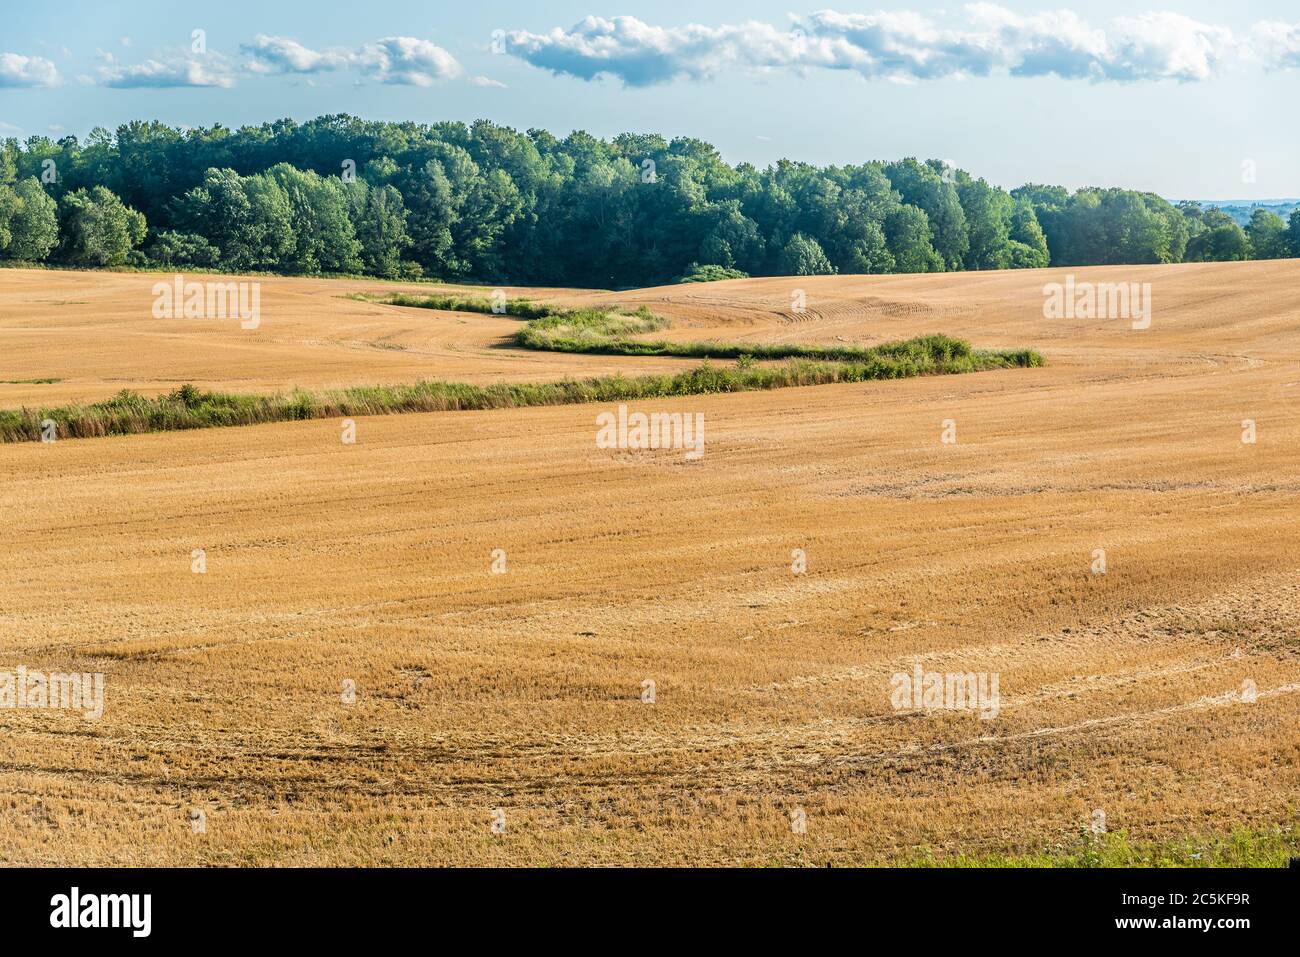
1164,692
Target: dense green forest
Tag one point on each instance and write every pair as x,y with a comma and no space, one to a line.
449,201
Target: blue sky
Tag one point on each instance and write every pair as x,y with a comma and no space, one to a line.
1185,98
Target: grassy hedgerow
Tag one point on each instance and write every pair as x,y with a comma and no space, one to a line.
595,321
191,408
607,334
605,331
519,308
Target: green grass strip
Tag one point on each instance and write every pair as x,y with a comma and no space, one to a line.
190,408
606,331
518,308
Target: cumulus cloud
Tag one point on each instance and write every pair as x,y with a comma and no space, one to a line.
19,70
207,70
394,60
283,55
407,61
899,45
1277,45
641,54
1167,45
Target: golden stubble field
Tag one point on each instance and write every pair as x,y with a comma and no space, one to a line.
371,563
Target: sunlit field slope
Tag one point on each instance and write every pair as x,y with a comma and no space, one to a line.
450,624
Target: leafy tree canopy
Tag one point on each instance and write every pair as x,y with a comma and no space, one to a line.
485,202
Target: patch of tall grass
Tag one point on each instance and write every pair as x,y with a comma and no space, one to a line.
605,331
519,308
611,337
543,318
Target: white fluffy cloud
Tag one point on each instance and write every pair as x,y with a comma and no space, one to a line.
283,55
1167,45
407,61
1276,44
641,54
207,70
19,70
899,45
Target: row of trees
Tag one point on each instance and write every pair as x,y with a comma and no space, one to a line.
1104,226
339,194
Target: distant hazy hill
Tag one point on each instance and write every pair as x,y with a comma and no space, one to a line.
1241,209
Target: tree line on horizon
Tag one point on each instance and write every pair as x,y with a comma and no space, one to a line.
486,203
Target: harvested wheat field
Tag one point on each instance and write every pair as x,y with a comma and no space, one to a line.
94,335
432,646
